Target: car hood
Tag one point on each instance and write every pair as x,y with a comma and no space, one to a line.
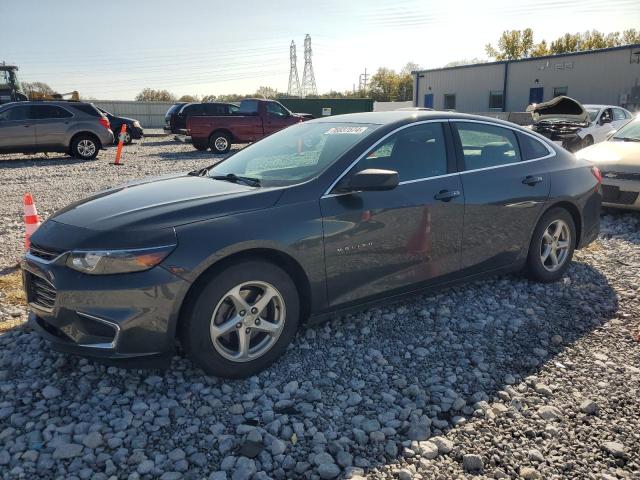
164,202
559,109
613,156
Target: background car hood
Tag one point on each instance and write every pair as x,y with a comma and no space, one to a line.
613,156
164,202
561,108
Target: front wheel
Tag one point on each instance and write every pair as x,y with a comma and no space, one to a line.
220,143
242,320
552,246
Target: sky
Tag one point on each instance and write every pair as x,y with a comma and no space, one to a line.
112,50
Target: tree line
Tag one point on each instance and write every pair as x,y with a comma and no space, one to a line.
386,84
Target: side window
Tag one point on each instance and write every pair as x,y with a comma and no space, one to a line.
414,152
42,112
531,148
233,109
487,145
618,114
16,113
275,110
606,113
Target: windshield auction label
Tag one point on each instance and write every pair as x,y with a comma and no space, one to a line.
345,131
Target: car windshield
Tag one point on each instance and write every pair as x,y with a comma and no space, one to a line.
631,131
295,154
593,113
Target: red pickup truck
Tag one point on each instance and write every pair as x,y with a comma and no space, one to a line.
254,119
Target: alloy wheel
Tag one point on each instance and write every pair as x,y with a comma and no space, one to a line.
86,148
247,321
554,248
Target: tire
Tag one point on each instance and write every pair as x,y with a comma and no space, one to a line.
545,244
219,351
220,142
200,147
84,147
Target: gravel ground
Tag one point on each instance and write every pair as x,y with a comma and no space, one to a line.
502,378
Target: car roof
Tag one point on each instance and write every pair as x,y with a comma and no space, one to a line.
404,117
591,105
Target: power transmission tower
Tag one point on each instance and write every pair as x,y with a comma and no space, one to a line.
294,81
308,78
362,82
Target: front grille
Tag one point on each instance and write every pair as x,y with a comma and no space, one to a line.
44,253
613,194
41,292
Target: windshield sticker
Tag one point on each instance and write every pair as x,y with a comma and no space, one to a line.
345,131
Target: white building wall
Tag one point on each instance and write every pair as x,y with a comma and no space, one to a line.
608,77
471,86
599,77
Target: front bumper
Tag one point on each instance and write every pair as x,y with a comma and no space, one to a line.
118,317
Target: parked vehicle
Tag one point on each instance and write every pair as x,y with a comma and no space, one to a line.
76,128
134,130
170,117
573,125
322,217
618,158
178,120
254,120
603,121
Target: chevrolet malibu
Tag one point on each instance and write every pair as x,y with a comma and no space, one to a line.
323,217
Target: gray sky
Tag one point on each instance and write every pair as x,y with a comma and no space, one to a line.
112,50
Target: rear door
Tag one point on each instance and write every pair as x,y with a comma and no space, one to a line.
619,118
52,123
17,129
378,242
505,188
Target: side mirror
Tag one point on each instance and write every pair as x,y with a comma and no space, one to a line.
370,180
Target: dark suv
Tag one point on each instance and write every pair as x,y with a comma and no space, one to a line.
76,128
175,121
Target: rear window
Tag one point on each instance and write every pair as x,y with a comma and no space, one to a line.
175,108
531,148
195,109
87,108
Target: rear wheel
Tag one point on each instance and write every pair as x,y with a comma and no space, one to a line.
220,142
84,146
242,320
552,246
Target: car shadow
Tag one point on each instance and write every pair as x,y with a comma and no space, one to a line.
396,364
8,161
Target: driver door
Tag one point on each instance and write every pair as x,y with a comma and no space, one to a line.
380,241
276,118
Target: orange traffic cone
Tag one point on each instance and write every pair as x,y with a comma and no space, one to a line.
120,143
31,219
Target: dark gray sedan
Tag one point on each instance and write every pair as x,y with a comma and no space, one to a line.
325,216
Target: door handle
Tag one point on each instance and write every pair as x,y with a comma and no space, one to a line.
531,180
447,195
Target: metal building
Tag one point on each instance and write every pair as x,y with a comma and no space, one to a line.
606,76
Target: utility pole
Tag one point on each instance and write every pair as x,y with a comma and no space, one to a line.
362,82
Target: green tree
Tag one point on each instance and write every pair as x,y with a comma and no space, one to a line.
266,92
630,36
209,98
35,90
189,98
540,49
151,95
384,85
512,44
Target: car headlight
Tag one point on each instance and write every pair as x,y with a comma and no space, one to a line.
104,262
137,124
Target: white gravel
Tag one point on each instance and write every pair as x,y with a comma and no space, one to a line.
502,378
